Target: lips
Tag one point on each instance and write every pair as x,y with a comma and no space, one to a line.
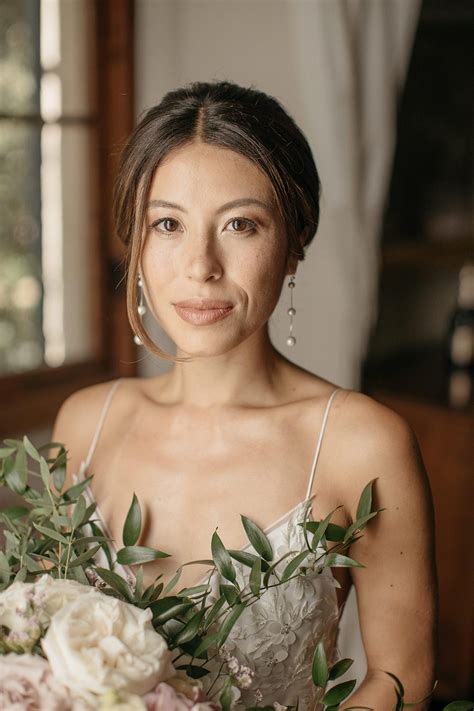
204,304
201,312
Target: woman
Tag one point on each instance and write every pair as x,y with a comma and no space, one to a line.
217,199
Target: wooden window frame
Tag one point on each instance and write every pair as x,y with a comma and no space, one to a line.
31,399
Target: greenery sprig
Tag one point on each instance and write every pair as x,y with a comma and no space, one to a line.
46,535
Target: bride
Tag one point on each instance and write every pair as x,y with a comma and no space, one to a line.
217,199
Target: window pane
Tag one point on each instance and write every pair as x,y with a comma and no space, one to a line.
19,56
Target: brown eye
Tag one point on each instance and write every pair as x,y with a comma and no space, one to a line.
163,221
249,224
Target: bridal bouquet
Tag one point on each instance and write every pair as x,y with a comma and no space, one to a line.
75,635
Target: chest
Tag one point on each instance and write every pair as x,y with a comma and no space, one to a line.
202,481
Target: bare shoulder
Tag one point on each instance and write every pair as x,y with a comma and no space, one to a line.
79,414
377,443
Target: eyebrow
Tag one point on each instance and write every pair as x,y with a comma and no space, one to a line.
227,206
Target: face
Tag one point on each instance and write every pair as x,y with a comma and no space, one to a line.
202,248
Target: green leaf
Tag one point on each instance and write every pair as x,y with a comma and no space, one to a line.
230,594
74,491
266,577
14,512
214,611
132,555
5,570
359,523
338,693
364,506
190,629
59,477
45,473
172,582
115,581
20,577
319,669
255,579
459,706
51,533
6,451
169,608
294,564
194,590
15,476
31,449
193,671
247,559
340,668
133,523
222,558
87,555
398,683
257,538
337,560
139,583
207,642
229,622
79,511
225,699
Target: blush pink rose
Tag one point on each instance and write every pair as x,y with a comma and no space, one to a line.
165,698
27,684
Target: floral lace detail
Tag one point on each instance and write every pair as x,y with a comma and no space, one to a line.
276,635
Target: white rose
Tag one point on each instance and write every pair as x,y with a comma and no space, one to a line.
26,609
98,642
51,594
18,616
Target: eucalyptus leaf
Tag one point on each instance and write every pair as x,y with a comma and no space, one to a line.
14,512
214,611
459,706
257,538
340,668
339,692
247,559
45,473
6,451
222,558
230,594
51,533
115,581
364,506
208,641
294,564
84,557
132,555
74,491
230,621
359,524
319,669
190,629
133,523
79,511
172,582
255,578
31,449
194,590
337,560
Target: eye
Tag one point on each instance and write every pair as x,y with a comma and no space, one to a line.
155,224
251,225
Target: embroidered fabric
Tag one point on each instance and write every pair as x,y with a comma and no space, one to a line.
277,634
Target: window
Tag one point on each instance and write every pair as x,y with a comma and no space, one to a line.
66,106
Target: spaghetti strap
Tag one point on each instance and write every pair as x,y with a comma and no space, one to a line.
100,423
318,446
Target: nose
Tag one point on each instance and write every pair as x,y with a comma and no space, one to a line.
202,259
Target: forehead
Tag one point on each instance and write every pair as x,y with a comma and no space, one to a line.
203,173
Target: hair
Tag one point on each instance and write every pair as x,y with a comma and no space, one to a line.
224,114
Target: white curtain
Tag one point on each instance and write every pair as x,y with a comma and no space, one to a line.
338,66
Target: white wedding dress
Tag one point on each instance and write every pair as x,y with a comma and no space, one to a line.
275,636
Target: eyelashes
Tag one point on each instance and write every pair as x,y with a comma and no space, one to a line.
251,225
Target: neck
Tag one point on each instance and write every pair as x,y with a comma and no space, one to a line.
250,375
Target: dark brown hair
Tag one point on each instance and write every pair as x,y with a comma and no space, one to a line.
223,114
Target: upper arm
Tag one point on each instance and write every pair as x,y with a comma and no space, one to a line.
397,590
74,426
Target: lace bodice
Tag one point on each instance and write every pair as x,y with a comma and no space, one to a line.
276,635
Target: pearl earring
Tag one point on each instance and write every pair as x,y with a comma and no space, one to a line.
291,340
141,308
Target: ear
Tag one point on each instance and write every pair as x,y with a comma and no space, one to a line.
292,259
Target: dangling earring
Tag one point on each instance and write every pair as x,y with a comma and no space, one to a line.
291,340
141,309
